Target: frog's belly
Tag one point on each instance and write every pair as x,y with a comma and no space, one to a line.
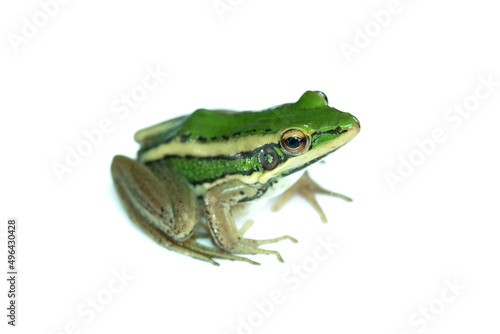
277,189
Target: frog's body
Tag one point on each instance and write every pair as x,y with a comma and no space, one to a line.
214,161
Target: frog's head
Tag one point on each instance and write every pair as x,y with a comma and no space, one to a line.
312,130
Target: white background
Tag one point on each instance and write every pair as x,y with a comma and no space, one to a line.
398,246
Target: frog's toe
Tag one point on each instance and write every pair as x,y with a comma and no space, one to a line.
214,253
251,246
245,227
256,243
243,249
267,252
180,248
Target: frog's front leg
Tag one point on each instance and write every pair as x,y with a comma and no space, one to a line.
306,188
218,202
162,204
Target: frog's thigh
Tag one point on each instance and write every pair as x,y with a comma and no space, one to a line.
158,236
217,202
131,177
158,194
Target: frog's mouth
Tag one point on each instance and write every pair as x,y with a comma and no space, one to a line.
298,163
347,135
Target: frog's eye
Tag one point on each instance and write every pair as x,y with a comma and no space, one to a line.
294,141
323,95
312,99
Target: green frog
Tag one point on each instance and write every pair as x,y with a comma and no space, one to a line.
194,171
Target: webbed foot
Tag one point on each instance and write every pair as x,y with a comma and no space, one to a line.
307,188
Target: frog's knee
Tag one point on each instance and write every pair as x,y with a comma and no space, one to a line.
180,229
118,164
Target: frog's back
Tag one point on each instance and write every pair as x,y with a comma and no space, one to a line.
208,144
205,126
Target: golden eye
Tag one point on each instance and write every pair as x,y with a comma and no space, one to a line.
294,141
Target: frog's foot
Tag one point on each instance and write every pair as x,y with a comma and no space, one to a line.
188,247
244,245
306,188
250,246
240,245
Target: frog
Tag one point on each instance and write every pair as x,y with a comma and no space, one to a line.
195,172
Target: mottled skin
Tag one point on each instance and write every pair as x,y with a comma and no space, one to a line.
199,167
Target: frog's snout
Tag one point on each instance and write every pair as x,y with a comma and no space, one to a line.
356,123
354,128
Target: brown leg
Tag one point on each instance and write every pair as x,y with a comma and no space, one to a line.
163,207
306,188
218,201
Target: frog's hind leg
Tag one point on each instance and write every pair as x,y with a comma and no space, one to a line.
214,252
306,188
122,169
189,247
168,216
161,238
